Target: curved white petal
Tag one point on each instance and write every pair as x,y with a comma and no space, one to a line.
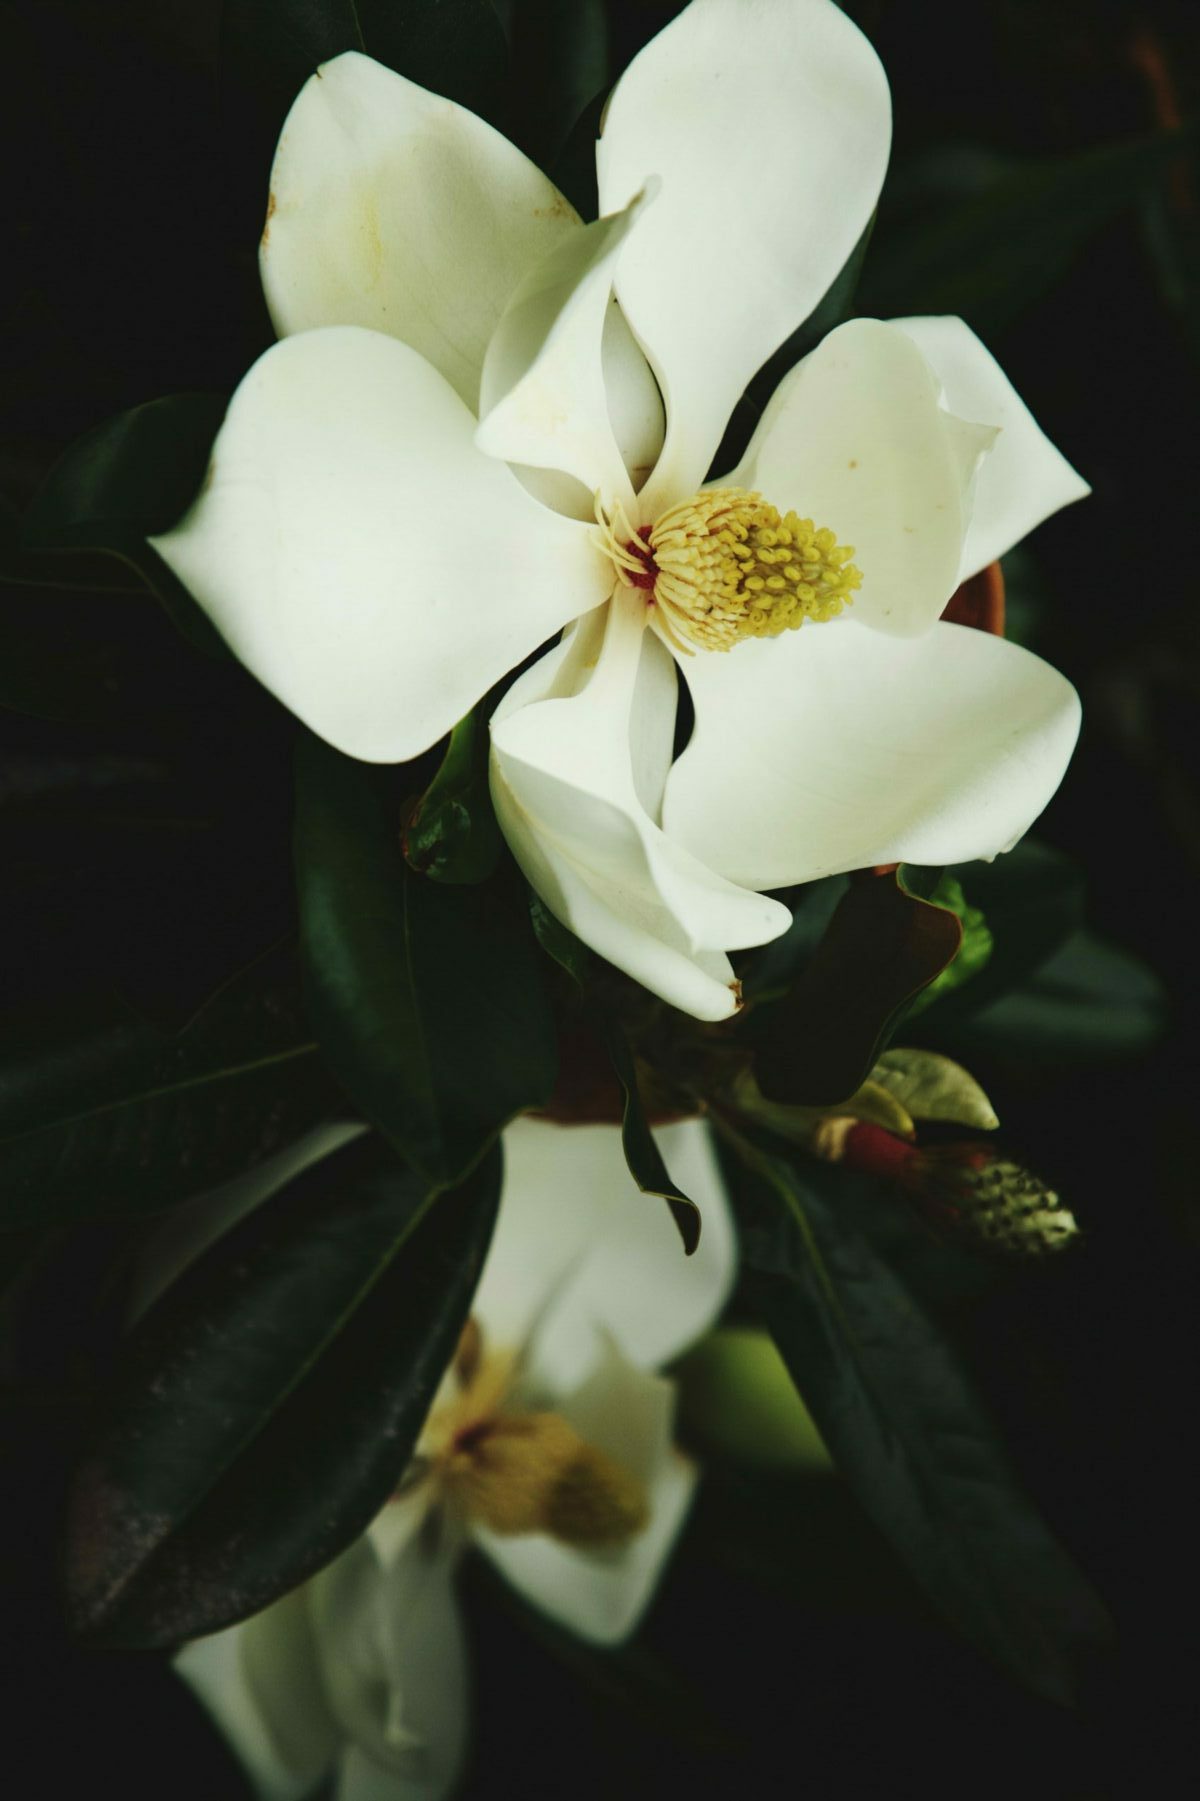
363,559
634,403
837,748
398,210
602,1595
261,1683
769,122
542,399
563,788
393,1662
855,437
1024,478
581,1255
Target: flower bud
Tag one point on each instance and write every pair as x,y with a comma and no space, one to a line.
966,1190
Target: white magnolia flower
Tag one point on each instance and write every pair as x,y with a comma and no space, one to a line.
458,449
549,1447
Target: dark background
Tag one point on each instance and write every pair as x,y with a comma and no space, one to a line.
787,1653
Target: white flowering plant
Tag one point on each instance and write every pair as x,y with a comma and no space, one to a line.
596,626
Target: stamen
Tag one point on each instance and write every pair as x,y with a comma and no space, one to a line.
727,565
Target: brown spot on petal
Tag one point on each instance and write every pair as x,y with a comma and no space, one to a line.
272,203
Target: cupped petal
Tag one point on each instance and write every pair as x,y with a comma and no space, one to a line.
580,1254
603,1595
635,405
364,560
769,122
1024,478
395,209
542,399
261,1683
856,438
837,748
565,797
393,1663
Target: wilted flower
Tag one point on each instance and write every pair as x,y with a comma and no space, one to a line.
549,1447
486,422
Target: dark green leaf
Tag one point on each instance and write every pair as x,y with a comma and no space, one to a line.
453,835
560,59
118,1118
267,1406
569,952
1090,1003
641,1152
974,953
270,48
135,475
881,946
991,256
574,172
909,1435
1032,899
429,1002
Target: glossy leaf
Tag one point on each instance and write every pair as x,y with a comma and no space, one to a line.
558,942
117,1118
910,1436
136,474
269,48
1032,900
453,835
267,1405
1090,1003
642,1154
883,943
560,60
429,1001
974,952
993,254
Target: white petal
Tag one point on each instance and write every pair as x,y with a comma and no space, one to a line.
361,556
855,437
602,1595
1024,478
396,209
580,1255
563,788
634,403
837,748
261,1683
769,123
394,1667
542,399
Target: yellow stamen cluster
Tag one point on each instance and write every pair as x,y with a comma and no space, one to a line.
520,1471
731,566
727,565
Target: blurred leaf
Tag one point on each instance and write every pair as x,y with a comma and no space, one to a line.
453,835
930,1086
910,1437
135,475
266,1407
118,1118
269,49
560,60
429,1002
973,953
1090,1003
735,1391
569,952
1032,899
883,943
574,170
992,256
642,1154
